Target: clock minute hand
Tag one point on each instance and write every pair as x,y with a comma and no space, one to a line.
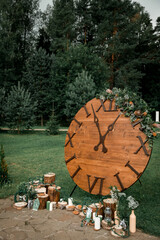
101,138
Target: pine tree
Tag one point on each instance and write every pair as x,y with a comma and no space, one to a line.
37,80
61,25
78,93
66,68
19,109
17,21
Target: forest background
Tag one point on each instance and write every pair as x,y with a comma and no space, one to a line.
57,60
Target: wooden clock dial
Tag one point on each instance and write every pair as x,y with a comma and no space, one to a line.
103,148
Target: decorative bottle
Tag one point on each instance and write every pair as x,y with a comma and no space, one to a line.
132,222
116,218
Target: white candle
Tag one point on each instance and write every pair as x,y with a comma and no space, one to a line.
51,206
97,223
94,215
70,203
157,116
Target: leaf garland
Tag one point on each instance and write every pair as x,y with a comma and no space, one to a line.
132,106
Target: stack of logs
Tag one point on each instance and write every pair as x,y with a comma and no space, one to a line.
51,193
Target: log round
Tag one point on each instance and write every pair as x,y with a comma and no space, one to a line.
49,178
109,202
103,148
42,200
54,193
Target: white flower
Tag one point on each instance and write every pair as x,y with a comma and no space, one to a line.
102,97
132,203
121,194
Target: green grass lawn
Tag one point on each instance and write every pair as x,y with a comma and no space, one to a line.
31,155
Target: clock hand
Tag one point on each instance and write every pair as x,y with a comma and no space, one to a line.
96,120
102,138
111,126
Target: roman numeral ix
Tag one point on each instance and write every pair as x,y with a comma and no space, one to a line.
142,146
70,139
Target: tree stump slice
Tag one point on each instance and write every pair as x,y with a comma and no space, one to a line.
54,195
42,200
49,178
94,209
109,202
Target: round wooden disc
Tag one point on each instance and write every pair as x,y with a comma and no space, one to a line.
99,158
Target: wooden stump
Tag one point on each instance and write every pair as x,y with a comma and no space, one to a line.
49,178
109,202
54,193
94,209
43,200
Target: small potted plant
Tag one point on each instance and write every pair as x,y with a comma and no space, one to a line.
21,194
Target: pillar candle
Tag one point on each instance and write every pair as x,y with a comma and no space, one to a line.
94,215
48,204
97,223
70,203
51,206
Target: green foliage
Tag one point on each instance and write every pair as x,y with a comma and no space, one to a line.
61,25
37,80
31,193
17,21
129,103
4,178
52,126
66,68
19,109
2,99
78,93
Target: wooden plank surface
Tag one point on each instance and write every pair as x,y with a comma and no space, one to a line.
121,143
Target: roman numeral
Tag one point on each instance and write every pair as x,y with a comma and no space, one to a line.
79,123
75,173
70,139
136,123
119,180
104,108
70,159
133,169
142,146
87,113
94,183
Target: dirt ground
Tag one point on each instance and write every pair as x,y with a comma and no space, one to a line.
56,225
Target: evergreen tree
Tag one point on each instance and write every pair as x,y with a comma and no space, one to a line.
19,109
78,93
17,19
38,82
61,26
43,41
66,68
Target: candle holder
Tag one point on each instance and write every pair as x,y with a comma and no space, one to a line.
107,215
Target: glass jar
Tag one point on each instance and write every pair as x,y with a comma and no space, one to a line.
107,215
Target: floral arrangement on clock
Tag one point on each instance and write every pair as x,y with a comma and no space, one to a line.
132,106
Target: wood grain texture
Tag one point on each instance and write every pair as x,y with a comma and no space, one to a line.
121,143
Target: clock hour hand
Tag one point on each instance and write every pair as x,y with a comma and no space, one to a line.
111,126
